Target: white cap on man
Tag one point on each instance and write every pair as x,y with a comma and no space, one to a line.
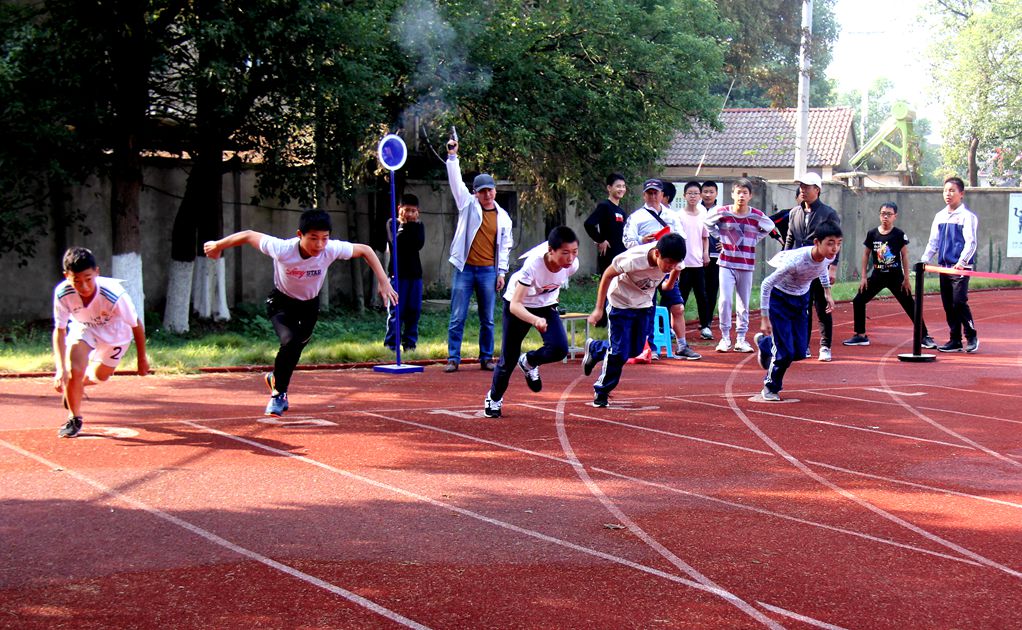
811,179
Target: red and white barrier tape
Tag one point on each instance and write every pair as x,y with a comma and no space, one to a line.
969,272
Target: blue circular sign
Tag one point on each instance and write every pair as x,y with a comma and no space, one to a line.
392,152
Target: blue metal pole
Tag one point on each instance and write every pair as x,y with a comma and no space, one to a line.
393,262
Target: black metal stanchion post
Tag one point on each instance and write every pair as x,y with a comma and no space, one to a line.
917,355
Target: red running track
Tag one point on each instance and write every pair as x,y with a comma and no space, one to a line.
888,496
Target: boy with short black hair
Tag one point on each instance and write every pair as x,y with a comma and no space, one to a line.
738,227
94,322
411,236
628,284
784,305
606,224
953,241
887,247
299,269
691,219
711,274
531,301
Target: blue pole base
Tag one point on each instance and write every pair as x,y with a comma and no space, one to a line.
397,369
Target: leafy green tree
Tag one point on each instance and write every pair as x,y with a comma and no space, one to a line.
977,64
299,82
762,42
41,152
86,65
569,91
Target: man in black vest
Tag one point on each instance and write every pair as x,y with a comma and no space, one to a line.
802,223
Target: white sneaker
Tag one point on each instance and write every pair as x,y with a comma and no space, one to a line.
769,395
724,345
706,333
824,354
741,345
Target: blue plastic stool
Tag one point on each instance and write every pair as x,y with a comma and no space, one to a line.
662,331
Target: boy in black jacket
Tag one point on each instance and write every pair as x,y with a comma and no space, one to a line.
411,236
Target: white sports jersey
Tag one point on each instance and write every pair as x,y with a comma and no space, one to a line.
110,315
297,277
796,270
638,280
544,285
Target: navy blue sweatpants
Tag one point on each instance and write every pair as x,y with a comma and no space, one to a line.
627,331
789,319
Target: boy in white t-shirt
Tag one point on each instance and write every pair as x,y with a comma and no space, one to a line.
94,322
531,301
691,221
628,284
299,269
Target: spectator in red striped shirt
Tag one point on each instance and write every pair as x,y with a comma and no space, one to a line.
738,227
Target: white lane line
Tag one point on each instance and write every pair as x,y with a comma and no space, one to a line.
839,425
977,391
772,454
634,527
222,542
696,495
794,461
936,425
891,391
464,512
794,615
917,485
680,436
937,409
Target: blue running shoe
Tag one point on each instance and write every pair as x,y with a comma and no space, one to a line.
277,405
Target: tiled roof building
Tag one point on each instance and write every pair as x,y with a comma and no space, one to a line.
761,142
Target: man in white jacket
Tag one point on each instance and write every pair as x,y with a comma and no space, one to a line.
479,252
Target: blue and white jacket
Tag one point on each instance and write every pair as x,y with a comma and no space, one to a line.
470,217
953,238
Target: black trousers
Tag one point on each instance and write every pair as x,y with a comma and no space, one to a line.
954,294
877,282
711,281
293,321
693,280
554,348
818,301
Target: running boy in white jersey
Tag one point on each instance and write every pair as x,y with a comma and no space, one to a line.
299,269
784,304
628,284
94,323
531,301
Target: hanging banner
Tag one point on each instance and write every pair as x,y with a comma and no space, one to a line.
1015,225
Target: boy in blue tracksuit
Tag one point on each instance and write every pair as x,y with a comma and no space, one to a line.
784,304
953,240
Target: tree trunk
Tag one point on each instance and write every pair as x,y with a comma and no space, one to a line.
357,286
973,166
182,259
126,183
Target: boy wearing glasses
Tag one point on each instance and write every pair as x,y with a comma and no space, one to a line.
887,247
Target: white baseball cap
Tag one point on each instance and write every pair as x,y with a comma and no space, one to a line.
811,179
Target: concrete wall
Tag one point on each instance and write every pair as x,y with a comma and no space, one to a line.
859,209
27,292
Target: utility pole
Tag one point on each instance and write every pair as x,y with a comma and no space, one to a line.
804,63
